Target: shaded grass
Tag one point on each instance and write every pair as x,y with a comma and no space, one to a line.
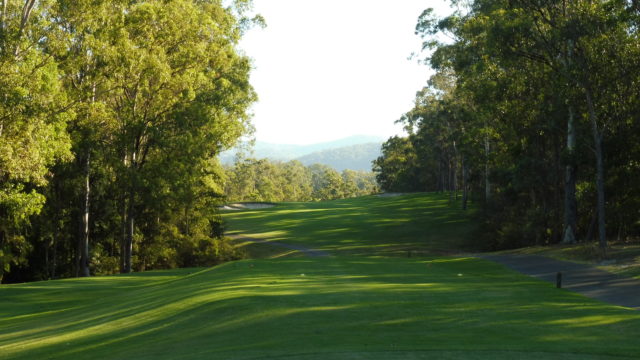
622,258
382,226
339,307
368,301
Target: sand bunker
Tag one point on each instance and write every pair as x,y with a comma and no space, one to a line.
247,206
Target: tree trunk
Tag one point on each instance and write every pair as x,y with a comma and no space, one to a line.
597,139
487,183
592,225
3,20
123,232
83,270
26,13
2,236
455,171
55,254
600,186
441,175
55,231
130,232
464,184
450,180
570,204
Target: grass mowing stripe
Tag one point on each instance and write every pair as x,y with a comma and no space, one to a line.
365,302
349,306
365,226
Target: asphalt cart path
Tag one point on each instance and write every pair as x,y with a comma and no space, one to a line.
581,278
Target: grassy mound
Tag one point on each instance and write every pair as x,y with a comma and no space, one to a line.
345,308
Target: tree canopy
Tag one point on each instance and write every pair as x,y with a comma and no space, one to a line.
533,109
111,118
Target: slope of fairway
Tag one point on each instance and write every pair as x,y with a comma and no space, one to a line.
321,308
362,302
371,225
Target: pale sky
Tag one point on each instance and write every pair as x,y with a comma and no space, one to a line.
328,69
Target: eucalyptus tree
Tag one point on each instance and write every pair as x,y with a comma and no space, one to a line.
581,47
88,28
398,169
327,183
296,181
579,41
33,117
164,57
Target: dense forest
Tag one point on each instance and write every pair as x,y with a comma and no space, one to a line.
533,110
112,114
265,180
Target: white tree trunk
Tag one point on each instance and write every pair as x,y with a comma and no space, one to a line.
84,237
570,205
597,139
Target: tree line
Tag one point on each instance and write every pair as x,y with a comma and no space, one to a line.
533,110
112,114
273,181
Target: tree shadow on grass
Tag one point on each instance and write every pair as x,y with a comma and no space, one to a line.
250,309
421,223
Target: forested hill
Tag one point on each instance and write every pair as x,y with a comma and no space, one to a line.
286,152
354,157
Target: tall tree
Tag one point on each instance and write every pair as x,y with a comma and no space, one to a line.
166,56
33,117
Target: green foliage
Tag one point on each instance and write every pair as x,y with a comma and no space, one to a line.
33,117
398,167
494,117
266,181
142,96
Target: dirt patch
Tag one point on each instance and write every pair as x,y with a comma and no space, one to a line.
247,206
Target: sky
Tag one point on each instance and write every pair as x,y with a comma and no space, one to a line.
328,69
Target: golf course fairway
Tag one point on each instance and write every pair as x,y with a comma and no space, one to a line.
359,302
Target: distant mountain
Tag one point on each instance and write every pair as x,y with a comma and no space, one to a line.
354,157
286,152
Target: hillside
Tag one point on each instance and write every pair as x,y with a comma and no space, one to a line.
286,152
354,157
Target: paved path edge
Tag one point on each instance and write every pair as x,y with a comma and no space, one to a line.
585,279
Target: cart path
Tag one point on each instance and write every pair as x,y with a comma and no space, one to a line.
581,278
305,250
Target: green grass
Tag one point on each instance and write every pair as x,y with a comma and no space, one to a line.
365,226
366,301
353,308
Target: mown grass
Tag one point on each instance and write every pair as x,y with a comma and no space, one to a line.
366,301
320,308
365,226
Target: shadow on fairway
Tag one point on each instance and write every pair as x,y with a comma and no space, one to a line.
392,226
252,309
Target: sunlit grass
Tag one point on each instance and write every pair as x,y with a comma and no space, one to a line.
388,226
373,308
368,300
